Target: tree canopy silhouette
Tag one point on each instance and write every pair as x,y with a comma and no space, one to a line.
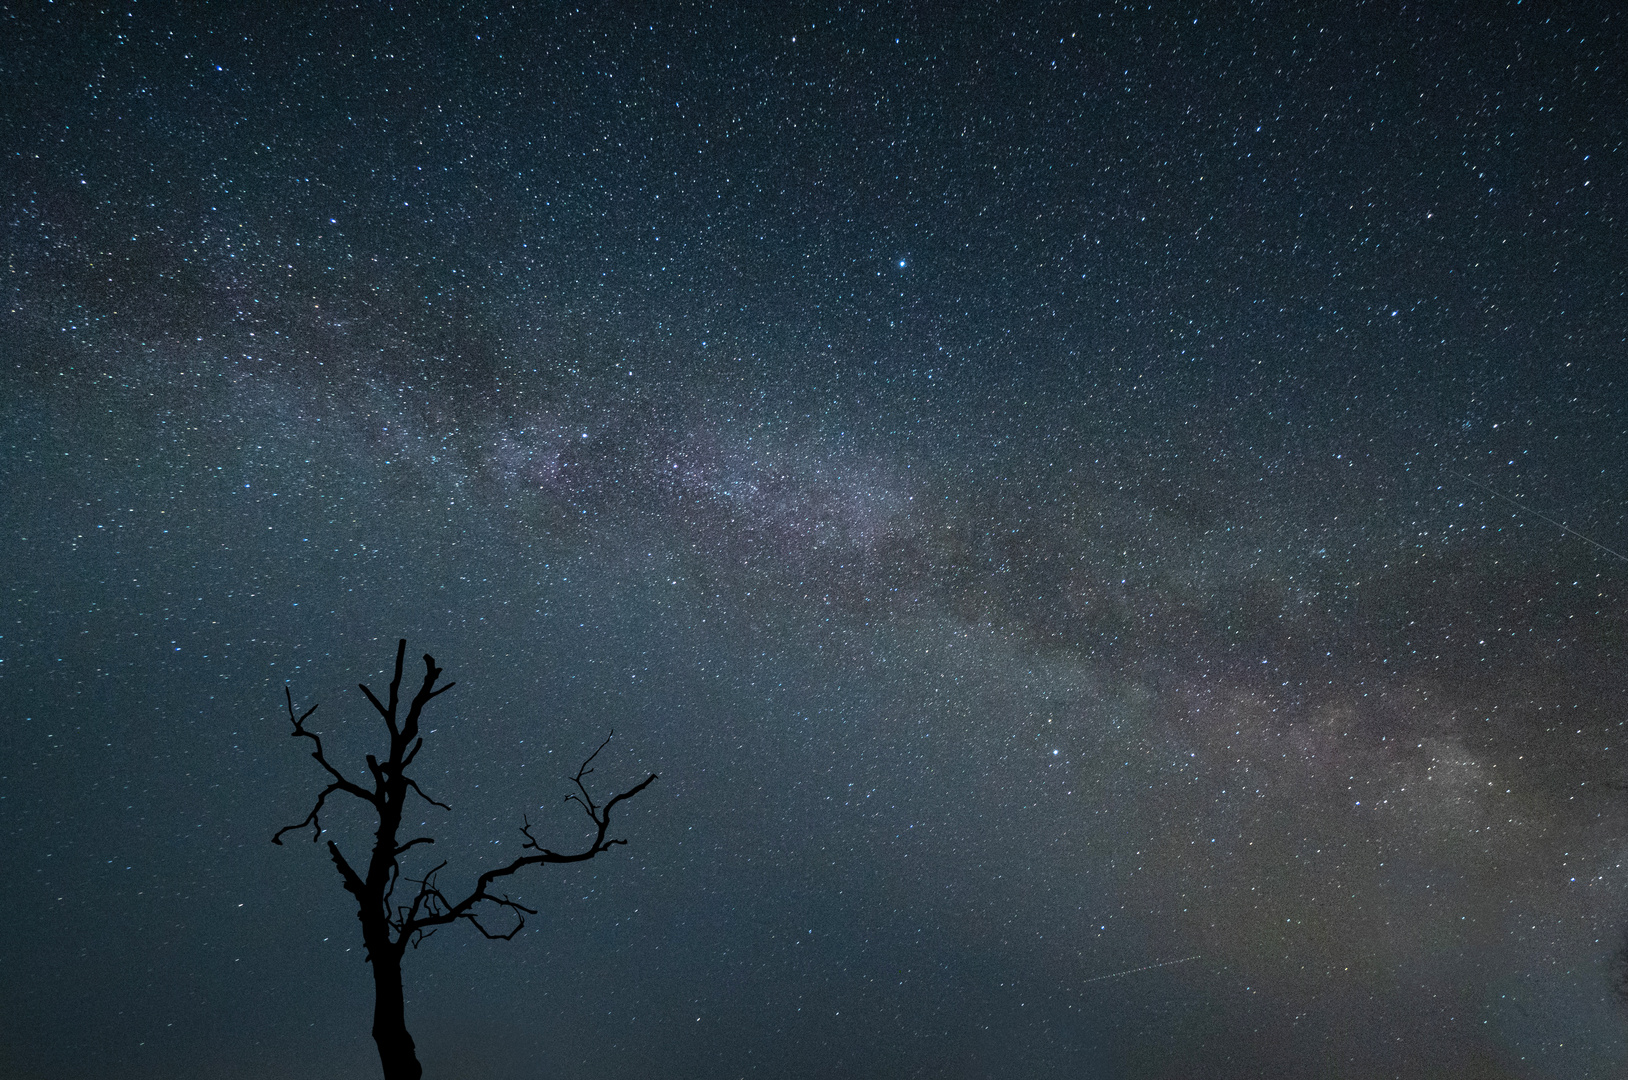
389,924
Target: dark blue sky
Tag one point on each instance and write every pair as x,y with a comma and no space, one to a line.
1053,490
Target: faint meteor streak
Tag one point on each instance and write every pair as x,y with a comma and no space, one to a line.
1145,967
1527,509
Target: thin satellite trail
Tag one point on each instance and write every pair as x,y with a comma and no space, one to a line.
1527,509
1145,967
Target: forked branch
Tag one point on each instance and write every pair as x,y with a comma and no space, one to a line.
432,908
340,783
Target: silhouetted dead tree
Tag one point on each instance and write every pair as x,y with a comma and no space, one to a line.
389,926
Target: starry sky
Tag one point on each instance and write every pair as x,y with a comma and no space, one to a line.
1107,519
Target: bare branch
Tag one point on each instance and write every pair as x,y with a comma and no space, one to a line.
341,783
585,799
353,882
628,794
310,819
410,843
414,785
395,685
519,925
429,899
377,704
583,770
389,713
443,913
288,696
409,728
520,910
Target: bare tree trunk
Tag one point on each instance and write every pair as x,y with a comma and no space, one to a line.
387,930
396,1051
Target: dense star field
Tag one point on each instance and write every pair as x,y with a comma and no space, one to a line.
1109,522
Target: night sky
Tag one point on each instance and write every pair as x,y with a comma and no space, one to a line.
1052,490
